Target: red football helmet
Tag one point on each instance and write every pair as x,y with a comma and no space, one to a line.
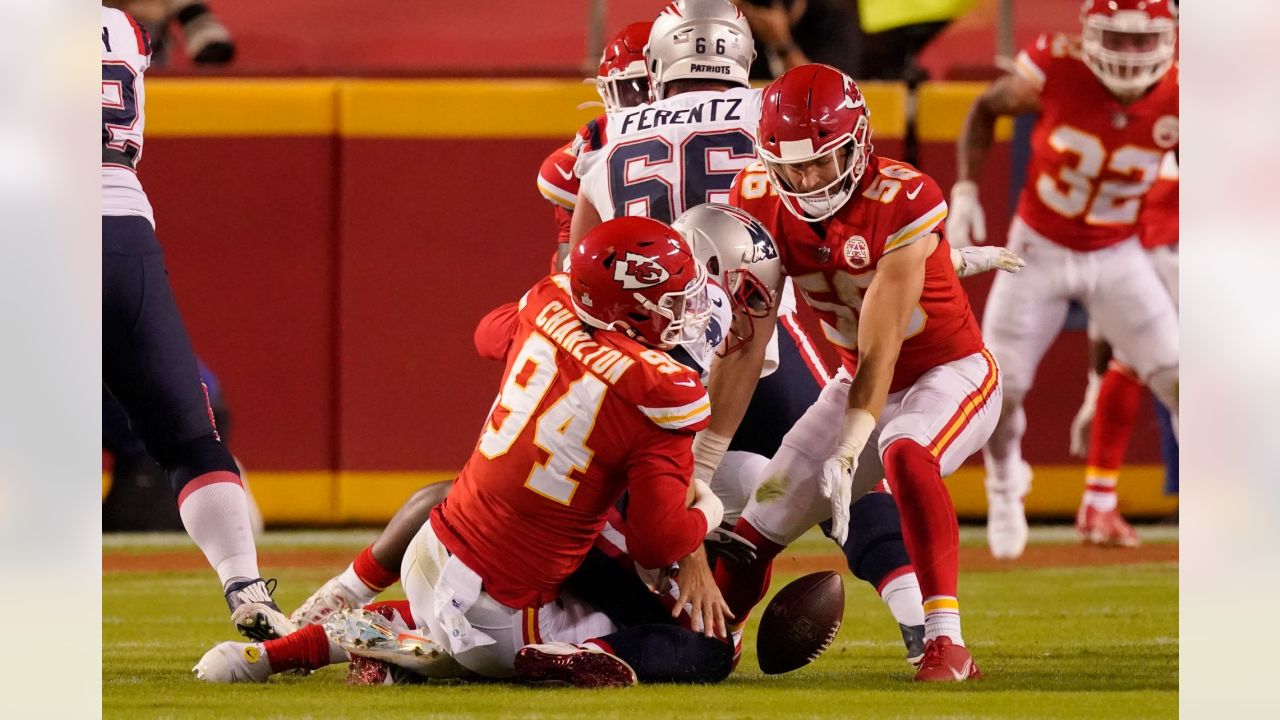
814,116
1129,44
621,80
638,276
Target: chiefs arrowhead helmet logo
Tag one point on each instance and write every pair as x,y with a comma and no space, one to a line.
637,272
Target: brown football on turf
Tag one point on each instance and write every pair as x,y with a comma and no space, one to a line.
800,622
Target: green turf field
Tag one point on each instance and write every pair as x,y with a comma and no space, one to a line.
1062,642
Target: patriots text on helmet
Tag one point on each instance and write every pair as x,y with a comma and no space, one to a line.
714,110
562,326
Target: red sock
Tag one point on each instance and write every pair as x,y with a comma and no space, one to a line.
744,585
307,648
1118,399
372,573
929,527
394,610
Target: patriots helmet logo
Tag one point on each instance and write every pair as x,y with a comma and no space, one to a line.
637,272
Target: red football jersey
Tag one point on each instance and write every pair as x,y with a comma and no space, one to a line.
833,262
1160,209
1093,158
557,181
559,186
582,416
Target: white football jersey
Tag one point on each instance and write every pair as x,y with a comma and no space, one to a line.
126,55
703,350
663,158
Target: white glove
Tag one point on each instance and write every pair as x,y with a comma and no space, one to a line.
837,471
1083,422
977,260
966,223
837,484
706,501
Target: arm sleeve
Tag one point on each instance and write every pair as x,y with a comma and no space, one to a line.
660,528
495,332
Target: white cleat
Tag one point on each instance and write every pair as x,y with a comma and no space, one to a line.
367,634
234,662
330,598
1006,515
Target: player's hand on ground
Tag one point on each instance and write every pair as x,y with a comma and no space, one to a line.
708,612
837,484
966,223
724,542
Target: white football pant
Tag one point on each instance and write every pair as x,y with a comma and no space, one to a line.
950,410
497,632
1124,295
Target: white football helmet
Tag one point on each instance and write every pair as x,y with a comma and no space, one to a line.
739,256
699,39
1129,44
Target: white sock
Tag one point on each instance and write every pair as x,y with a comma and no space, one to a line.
360,593
942,617
1100,492
216,516
902,595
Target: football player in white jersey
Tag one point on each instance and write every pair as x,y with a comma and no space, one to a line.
682,150
147,361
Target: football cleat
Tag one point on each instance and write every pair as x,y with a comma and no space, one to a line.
913,638
234,662
1006,515
253,611
331,597
582,666
1105,527
367,634
944,661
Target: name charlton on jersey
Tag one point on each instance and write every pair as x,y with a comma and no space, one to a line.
719,109
562,326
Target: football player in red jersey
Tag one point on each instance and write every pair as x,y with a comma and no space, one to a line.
622,83
1108,112
1101,429
860,235
590,406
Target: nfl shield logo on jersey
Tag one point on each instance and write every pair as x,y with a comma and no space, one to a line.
856,252
1165,132
638,271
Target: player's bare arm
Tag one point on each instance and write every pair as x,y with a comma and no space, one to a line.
886,310
1010,95
585,217
731,385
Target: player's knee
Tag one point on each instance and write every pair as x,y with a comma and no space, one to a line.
185,461
907,463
